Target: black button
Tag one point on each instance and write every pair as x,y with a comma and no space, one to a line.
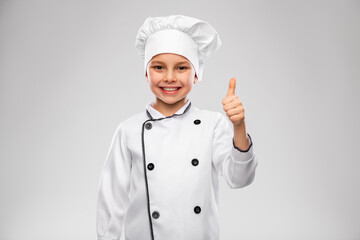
195,162
148,125
197,121
197,209
155,214
150,166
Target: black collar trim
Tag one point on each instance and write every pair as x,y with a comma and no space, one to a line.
186,109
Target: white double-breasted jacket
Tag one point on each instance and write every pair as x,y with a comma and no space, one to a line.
160,177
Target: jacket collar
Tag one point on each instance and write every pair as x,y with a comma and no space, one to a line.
155,114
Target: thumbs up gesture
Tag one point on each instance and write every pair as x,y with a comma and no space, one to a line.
232,105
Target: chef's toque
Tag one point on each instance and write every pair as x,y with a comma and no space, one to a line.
192,38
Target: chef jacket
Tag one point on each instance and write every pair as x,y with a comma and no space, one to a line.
160,177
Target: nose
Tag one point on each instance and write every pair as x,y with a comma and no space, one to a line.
170,76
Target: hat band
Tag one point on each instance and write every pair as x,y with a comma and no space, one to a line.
172,41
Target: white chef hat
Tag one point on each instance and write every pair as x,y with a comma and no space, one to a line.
190,37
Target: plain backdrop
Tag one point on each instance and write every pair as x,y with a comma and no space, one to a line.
70,73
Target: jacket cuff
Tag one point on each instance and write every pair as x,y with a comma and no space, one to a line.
243,155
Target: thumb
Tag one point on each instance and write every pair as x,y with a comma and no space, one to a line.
232,85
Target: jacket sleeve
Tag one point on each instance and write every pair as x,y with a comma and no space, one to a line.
236,165
113,190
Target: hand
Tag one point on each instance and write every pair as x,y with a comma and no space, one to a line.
232,105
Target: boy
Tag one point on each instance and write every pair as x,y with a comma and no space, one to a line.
160,178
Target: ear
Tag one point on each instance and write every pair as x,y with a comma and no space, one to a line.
195,78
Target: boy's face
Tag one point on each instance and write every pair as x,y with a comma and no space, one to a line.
170,77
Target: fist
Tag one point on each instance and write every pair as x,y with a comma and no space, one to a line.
232,105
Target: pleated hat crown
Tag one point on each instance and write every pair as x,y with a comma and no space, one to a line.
192,38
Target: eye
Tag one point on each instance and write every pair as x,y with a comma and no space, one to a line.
158,67
182,67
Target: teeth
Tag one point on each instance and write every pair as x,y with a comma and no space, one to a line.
170,89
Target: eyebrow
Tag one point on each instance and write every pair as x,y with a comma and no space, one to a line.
163,62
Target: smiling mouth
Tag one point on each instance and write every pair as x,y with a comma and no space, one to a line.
170,90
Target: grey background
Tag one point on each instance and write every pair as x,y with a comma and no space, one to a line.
69,73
